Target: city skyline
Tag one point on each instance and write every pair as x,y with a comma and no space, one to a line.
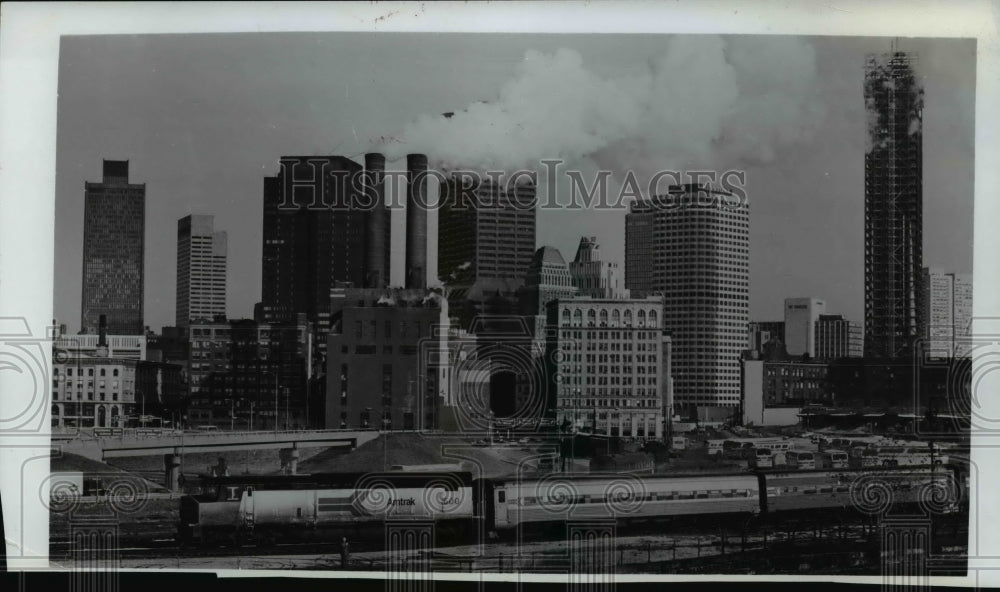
818,255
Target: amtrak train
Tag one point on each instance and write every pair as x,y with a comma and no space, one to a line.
268,509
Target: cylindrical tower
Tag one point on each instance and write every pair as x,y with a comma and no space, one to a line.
416,221
376,274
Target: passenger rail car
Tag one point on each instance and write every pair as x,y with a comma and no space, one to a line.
867,491
557,498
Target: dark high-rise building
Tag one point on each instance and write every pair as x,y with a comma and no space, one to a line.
692,246
315,228
485,232
201,270
114,228
893,206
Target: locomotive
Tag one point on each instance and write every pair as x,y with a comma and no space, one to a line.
268,509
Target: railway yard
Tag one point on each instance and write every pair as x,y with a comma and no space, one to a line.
698,512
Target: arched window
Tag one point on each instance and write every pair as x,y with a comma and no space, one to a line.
628,318
652,319
102,416
591,317
616,318
604,318
641,318
577,318
565,316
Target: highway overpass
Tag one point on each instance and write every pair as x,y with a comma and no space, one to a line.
102,448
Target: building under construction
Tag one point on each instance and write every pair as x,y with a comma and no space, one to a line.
893,205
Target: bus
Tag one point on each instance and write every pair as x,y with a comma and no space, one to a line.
846,443
775,445
715,447
901,456
761,458
800,459
832,459
741,448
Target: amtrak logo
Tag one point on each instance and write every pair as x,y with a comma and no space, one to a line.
402,502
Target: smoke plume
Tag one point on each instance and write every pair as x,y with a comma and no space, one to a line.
704,102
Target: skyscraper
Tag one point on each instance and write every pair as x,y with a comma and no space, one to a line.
947,299
548,278
592,275
201,270
837,337
315,229
893,206
114,227
801,315
692,246
486,231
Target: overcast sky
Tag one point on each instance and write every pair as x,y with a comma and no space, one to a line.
203,118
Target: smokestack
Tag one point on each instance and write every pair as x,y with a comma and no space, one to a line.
416,221
376,273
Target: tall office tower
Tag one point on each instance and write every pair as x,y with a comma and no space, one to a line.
486,231
315,236
593,276
962,314
893,206
837,337
548,278
114,228
201,270
947,312
692,246
801,315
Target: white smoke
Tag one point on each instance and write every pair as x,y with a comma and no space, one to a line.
704,102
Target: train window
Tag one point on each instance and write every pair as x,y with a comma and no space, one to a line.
649,497
529,501
825,489
728,493
841,489
501,496
702,494
685,495
298,512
